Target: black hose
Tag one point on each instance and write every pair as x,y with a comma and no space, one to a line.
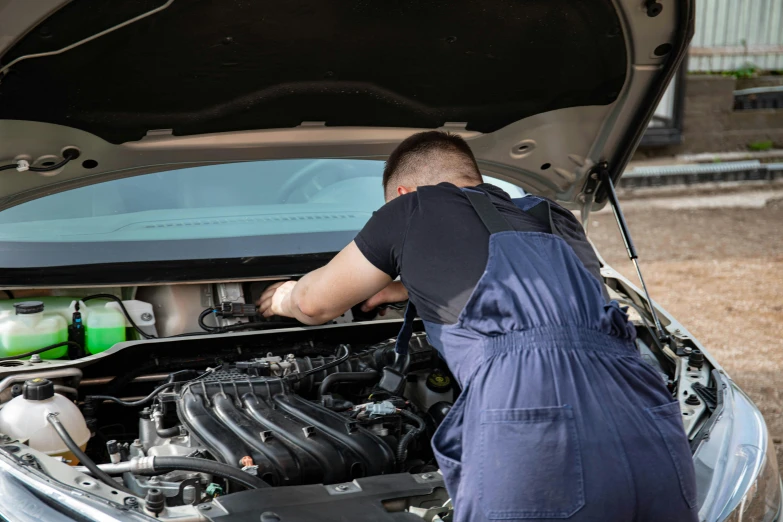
165,433
341,377
402,447
41,350
209,466
97,472
145,400
50,168
68,155
201,318
124,311
336,362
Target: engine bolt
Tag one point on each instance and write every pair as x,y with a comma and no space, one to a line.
427,476
131,502
204,507
35,359
341,488
146,316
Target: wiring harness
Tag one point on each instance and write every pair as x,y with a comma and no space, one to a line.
69,154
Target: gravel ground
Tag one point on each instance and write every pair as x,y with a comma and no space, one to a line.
719,271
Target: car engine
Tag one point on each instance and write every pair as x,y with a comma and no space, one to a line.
196,406
293,421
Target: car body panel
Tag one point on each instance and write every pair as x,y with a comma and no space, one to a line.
549,150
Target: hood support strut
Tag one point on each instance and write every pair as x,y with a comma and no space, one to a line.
606,178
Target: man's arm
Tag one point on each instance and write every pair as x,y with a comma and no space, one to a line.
328,292
395,292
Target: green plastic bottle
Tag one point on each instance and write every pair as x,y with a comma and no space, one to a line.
28,327
103,327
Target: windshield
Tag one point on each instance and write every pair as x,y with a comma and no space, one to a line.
278,207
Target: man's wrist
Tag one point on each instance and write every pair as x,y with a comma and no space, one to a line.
286,305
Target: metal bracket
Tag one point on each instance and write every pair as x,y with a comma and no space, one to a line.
587,198
179,498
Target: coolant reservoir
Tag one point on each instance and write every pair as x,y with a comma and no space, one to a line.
28,328
24,418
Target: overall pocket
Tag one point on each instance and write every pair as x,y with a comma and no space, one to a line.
447,446
668,421
530,464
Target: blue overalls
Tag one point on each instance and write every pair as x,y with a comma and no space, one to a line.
559,417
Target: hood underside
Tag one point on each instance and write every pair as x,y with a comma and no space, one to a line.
543,89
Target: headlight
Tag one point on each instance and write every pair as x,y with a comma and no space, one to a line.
761,500
736,468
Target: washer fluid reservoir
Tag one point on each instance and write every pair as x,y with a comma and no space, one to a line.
104,327
24,418
28,328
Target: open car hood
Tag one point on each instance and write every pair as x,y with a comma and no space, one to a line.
544,90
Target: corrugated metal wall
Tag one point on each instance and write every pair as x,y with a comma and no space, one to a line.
665,110
733,33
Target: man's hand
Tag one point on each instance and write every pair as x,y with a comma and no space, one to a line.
276,299
395,292
328,292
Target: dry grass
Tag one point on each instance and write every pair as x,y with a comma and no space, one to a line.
720,273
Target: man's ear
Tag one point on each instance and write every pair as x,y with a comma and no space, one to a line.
401,190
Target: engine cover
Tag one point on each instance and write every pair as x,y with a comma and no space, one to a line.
292,441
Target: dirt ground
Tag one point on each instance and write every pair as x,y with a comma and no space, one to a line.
719,271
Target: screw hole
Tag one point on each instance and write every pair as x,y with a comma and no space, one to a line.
523,148
653,8
114,493
663,49
86,483
545,166
89,164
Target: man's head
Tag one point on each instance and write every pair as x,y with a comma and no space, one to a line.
429,158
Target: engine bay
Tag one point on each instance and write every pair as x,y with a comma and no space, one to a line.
203,409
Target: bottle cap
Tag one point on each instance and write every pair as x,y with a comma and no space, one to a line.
28,307
38,389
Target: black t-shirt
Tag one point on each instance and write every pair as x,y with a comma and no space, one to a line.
436,243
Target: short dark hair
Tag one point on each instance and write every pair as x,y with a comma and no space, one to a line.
429,158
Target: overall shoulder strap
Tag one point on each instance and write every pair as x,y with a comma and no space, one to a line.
487,212
538,208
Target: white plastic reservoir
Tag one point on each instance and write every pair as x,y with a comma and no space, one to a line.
24,418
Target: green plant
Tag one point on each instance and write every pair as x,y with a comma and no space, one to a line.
748,70
760,145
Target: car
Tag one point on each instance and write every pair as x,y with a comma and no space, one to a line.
163,161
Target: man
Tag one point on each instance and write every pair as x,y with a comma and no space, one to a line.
559,417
